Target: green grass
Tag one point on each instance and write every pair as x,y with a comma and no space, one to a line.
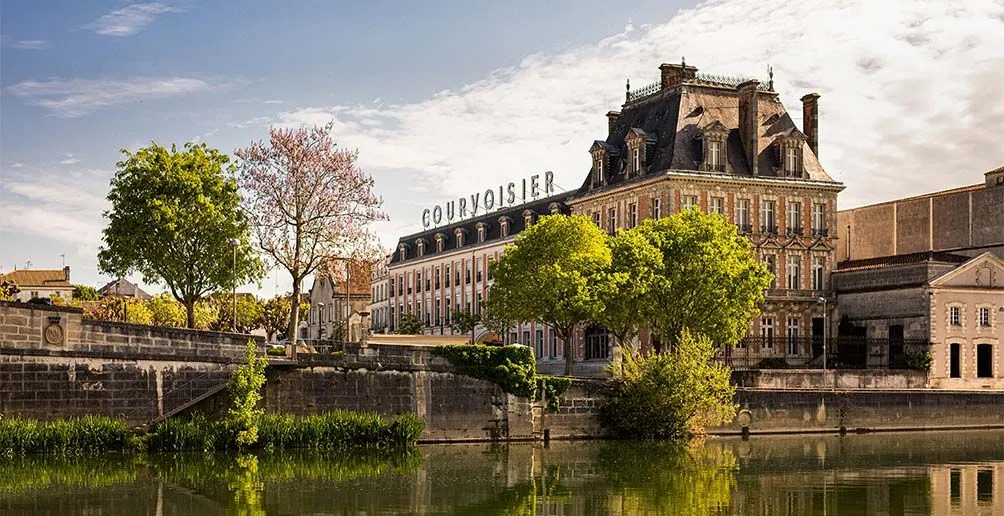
88,434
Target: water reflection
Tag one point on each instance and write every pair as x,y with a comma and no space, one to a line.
896,474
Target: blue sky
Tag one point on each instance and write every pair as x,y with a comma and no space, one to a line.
442,98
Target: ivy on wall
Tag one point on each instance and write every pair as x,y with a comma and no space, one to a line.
512,368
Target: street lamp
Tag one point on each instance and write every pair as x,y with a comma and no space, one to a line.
320,325
822,300
234,243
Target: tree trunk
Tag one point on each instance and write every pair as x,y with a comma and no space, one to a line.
190,313
294,316
566,339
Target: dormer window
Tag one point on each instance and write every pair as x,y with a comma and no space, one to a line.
637,142
459,233
554,208
790,153
482,230
420,245
527,218
713,137
403,252
601,153
504,226
440,240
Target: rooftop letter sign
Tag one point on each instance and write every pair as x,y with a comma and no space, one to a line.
505,196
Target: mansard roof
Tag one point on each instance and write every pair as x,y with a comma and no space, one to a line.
468,227
678,113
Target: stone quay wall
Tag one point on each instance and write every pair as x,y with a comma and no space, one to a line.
142,373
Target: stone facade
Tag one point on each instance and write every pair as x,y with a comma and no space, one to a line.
380,297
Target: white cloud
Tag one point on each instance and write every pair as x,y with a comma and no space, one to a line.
63,205
128,20
70,160
16,164
31,44
905,107
75,97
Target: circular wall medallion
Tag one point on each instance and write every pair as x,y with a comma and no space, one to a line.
744,418
54,334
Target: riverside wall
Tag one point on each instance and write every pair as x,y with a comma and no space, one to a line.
143,373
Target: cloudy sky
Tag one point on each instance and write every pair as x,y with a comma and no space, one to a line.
443,98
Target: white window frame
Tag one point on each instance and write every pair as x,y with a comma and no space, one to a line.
714,154
818,273
717,205
768,209
633,214
612,220
793,271
792,333
656,208
818,216
791,160
636,160
955,316
984,318
767,331
794,215
743,213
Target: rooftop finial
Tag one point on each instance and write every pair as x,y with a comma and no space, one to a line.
627,89
770,73
683,61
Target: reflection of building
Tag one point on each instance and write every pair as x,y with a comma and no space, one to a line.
123,288
446,269
40,283
967,489
926,274
380,297
334,298
728,146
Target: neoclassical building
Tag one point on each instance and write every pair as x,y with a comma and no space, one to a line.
725,145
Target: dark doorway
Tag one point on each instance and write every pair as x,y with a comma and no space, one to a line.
895,345
818,333
955,368
984,361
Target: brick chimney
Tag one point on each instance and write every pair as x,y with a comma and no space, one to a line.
66,273
810,121
749,122
674,74
612,117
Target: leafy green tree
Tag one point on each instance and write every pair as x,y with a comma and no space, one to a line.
166,311
250,313
464,322
554,273
410,325
85,293
495,319
8,290
129,310
173,216
634,266
669,395
245,393
710,282
275,316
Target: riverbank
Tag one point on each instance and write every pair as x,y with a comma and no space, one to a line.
95,434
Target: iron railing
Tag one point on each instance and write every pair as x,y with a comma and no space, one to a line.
781,352
644,91
820,232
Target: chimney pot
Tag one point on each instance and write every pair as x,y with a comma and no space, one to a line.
612,117
66,273
674,74
749,123
810,121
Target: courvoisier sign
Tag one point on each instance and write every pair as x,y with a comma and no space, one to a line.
505,196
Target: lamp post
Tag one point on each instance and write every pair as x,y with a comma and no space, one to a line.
320,320
233,323
822,300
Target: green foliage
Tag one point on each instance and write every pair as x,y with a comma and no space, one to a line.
173,216
166,311
553,273
250,313
410,325
550,389
85,435
772,363
918,360
8,290
275,317
131,310
671,395
85,293
330,430
710,281
510,367
634,268
463,321
245,393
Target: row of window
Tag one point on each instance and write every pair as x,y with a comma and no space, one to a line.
793,346
983,316
505,225
742,215
440,277
793,271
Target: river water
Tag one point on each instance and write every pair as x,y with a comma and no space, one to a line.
876,474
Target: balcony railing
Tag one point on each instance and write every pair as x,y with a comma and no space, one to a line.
820,232
745,229
781,352
768,229
790,231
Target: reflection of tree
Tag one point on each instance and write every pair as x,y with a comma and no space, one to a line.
662,478
523,498
247,486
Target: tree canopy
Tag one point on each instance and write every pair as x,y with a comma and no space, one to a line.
410,325
173,216
709,281
308,203
554,272
85,293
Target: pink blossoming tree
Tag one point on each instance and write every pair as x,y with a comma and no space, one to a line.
308,203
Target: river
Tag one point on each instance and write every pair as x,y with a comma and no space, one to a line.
931,473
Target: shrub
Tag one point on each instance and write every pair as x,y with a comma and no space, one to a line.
550,389
510,367
88,434
669,396
919,360
245,393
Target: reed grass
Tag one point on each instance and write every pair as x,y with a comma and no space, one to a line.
88,434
